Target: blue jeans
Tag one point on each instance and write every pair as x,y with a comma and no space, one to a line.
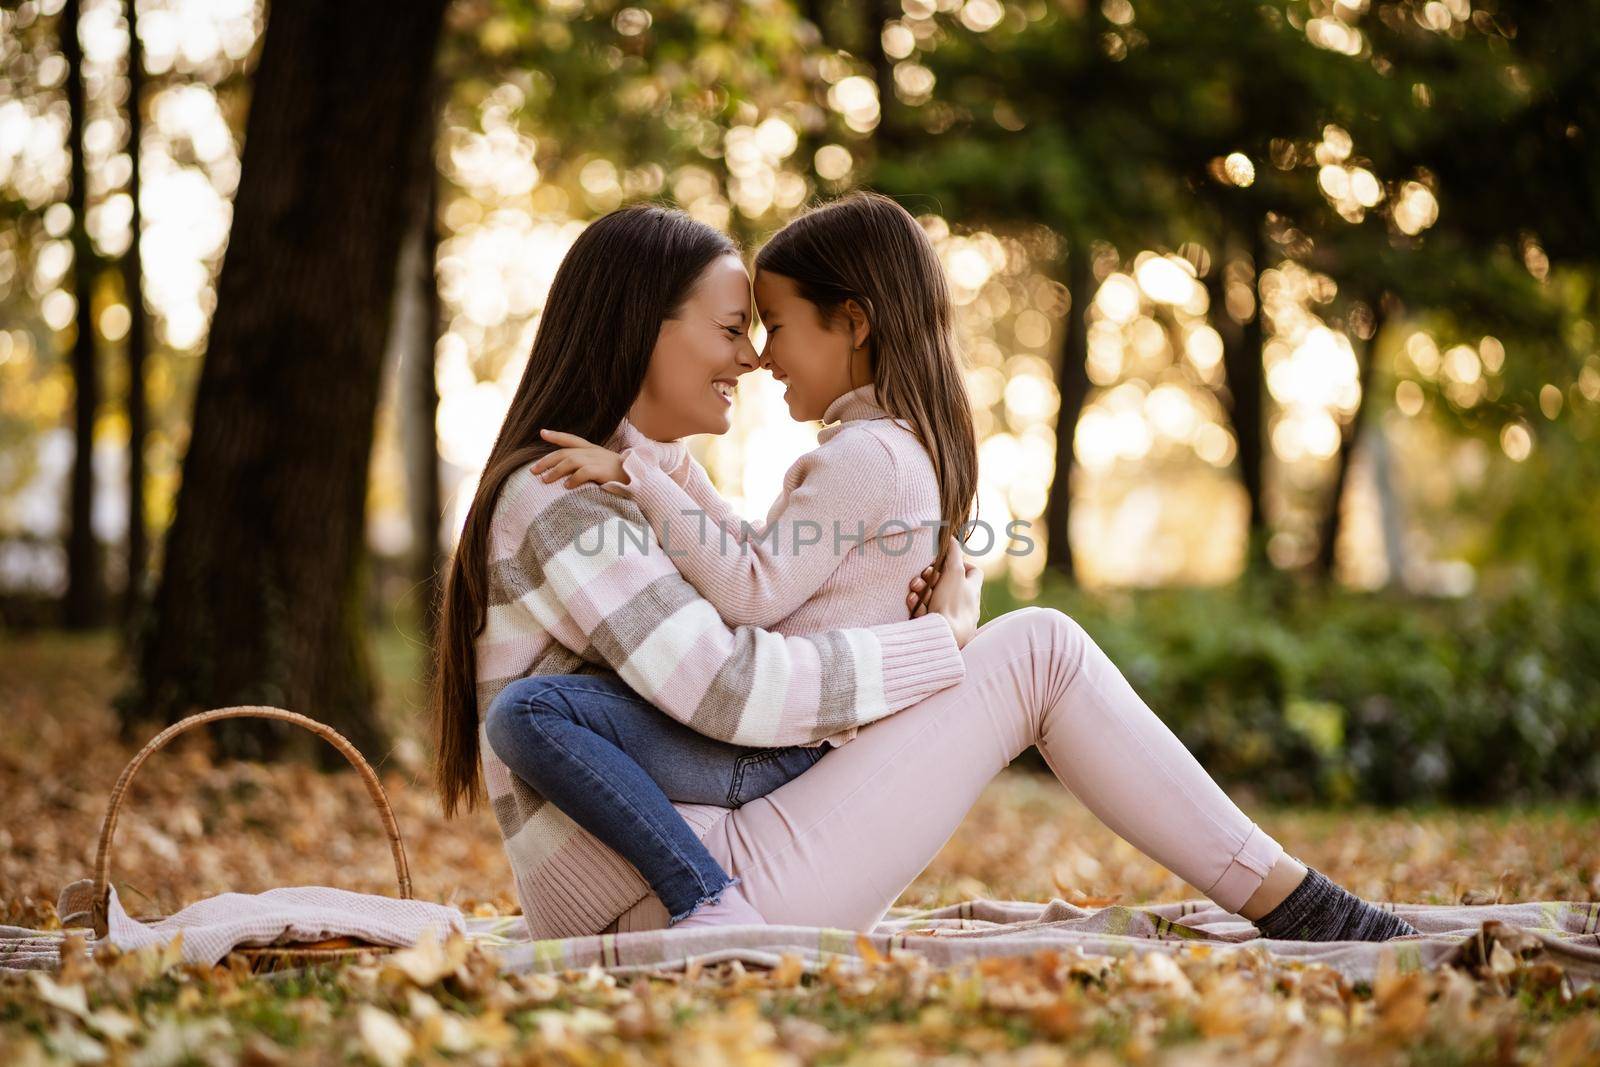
613,762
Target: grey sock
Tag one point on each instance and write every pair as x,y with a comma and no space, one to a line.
1320,910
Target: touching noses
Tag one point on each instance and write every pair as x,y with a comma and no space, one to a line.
747,357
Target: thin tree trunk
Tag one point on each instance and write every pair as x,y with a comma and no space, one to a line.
1241,359
816,13
1333,517
807,139
260,596
1390,514
415,333
888,136
1072,382
133,291
85,601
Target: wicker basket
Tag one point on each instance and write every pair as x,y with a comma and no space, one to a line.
268,957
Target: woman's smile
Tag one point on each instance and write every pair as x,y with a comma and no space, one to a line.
710,335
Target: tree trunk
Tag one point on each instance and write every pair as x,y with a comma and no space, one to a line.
816,13
1241,360
1072,382
414,334
133,293
85,601
1328,541
260,595
1390,505
889,136
807,139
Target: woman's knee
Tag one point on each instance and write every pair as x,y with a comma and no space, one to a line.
1042,647
1049,630
1055,642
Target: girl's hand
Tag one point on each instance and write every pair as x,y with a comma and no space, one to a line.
921,587
956,594
578,461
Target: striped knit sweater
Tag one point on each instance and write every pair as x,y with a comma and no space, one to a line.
577,582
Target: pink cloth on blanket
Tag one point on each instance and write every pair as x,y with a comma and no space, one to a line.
217,925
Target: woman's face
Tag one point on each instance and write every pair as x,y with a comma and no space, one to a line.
817,362
699,355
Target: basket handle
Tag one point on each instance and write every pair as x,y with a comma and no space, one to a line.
100,900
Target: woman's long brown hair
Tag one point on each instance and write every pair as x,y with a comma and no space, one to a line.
866,247
625,275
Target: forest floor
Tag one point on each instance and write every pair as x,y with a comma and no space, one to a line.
192,828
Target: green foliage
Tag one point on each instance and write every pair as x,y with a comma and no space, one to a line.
1340,697
648,91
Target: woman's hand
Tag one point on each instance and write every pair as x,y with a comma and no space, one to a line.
578,461
955,594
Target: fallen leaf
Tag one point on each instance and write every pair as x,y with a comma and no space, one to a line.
113,1024
71,998
383,1037
789,970
75,1046
1157,970
428,961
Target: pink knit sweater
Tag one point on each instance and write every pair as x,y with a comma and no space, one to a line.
839,546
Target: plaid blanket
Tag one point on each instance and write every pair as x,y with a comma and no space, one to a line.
1565,933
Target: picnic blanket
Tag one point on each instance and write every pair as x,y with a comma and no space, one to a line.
1564,933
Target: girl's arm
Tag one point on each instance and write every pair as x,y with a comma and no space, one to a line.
571,564
835,499
631,451
692,478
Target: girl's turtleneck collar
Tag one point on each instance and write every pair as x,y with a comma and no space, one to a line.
857,404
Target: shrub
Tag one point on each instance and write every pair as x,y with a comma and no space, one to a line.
1310,695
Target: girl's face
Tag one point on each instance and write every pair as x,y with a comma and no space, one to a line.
816,361
699,355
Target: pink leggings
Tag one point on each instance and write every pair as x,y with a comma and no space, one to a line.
837,845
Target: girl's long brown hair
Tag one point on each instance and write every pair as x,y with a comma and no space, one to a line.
866,247
625,275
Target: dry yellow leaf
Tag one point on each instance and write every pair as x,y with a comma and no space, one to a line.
383,1037
70,998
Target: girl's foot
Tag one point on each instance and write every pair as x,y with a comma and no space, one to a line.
731,909
1320,910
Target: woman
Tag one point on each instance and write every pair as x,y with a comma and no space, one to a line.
839,843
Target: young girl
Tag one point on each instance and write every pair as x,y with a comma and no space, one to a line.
858,320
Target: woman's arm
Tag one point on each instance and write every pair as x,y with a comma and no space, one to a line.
574,566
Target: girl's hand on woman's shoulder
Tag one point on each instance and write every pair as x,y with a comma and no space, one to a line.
578,461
